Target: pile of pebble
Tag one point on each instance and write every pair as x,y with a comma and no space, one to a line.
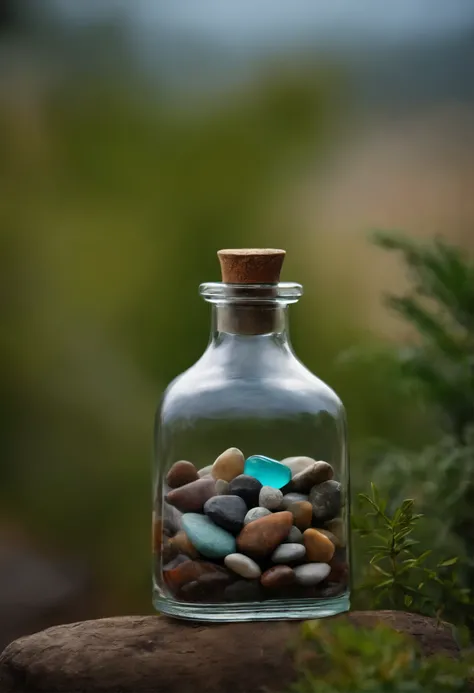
252,529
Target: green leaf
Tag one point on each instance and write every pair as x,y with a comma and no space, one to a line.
448,561
408,601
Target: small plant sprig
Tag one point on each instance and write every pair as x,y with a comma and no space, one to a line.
399,577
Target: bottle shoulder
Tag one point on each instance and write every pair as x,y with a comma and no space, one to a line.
209,388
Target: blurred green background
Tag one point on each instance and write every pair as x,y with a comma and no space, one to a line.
135,141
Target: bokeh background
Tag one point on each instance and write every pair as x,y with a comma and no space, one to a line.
136,139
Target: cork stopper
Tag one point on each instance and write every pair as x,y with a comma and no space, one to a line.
251,265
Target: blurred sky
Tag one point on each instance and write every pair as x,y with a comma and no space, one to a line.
249,24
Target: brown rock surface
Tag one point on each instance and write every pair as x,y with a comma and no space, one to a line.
152,654
191,497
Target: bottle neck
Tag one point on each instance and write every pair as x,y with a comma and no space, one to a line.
250,319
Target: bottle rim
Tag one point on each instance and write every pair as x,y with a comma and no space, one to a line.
220,292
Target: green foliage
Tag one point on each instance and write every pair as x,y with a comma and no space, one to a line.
399,575
441,309
333,657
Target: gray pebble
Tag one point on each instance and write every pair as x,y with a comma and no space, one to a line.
290,498
222,487
295,536
288,553
270,498
256,514
311,573
326,500
316,473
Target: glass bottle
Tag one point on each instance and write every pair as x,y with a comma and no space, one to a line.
251,478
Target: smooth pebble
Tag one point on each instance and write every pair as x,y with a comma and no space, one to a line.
269,472
191,497
316,473
278,576
242,565
302,512
209,539
288,553
229,464
319,548
326,500
256,514
270,498
226,511
205,471
247,487
311,573
261,537
181,473
337,528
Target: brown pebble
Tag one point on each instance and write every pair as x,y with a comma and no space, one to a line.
262,536
332,537
182,544
229,465
278,576
191,497
302,512
188,571
319,549
181,473
316,473
208,587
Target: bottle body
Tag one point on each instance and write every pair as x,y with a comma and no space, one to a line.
264,532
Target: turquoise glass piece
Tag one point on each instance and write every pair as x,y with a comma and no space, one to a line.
269,472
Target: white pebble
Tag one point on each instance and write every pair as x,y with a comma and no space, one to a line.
205,471
295,536
288,553
311,573
270,498
222,487
297,464
255,514
242,565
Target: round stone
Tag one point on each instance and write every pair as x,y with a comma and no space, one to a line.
205,471
226,511
295,536
247,487
319,548
181,473
326,500
270,498
242,565
255,514
288,553
337,528
302,512
269,472
181,543
244,591
315,473
289,498
311,573
228,465
209,539
261,537
278,576
190,498
222,487
297,464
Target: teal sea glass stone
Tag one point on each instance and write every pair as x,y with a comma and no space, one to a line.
269,472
